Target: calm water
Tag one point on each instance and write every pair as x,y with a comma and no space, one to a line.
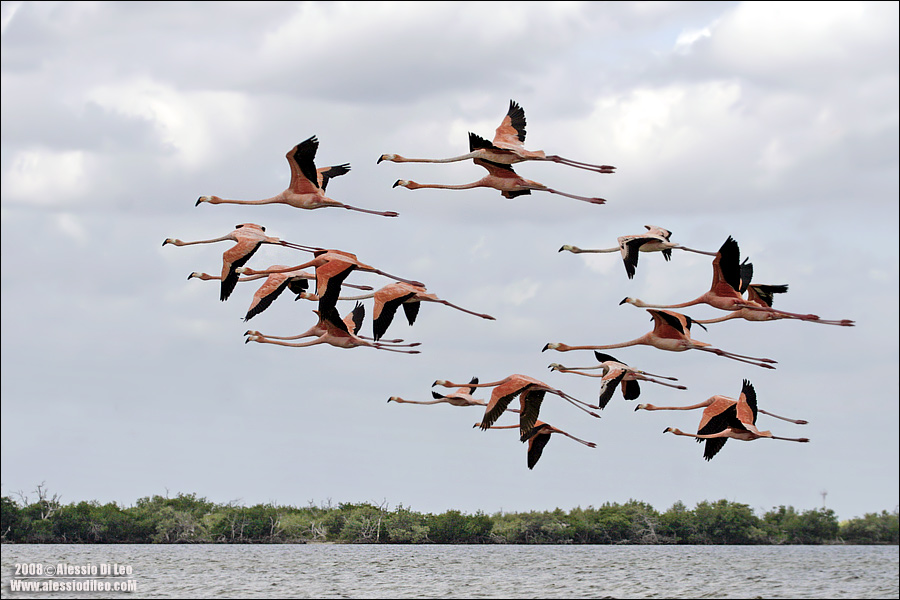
352,571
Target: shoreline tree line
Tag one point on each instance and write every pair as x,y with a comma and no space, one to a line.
187,518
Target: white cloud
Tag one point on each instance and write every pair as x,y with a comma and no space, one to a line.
45,177
689,37
71,227
521,291
780,36
7,13
196,124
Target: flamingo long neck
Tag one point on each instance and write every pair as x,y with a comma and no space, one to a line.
703,404
448,186
224,238
272,200
402,401
597,250
635,342
642,304
436,160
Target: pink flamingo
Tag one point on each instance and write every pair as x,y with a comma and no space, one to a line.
672,332
307,187
507,148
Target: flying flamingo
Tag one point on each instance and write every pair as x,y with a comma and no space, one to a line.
630,246
672,332
461,397
332,267
530,392
500,177
353,321
730,279
248,237
270,289
390,297
724,418
615,373
764,294
537,437
275,284
337,333
307,187
507,148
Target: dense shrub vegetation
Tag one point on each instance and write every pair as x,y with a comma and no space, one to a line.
189,519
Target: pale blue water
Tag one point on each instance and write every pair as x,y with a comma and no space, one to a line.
492,571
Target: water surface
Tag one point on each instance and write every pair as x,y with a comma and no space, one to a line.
482,571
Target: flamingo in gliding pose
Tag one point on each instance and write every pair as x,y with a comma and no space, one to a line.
332,267
538,437
461,397
630,246
248,237
307,187
531,393
763,295
507,148
337,333
725,418
394,295
615,373
731,279
672,332
500,177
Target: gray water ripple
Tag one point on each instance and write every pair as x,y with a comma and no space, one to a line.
494,571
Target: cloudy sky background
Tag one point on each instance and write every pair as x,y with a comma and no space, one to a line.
773,123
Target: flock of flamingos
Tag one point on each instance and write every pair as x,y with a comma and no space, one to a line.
723,417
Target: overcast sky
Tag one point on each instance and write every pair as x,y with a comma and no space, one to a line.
773,123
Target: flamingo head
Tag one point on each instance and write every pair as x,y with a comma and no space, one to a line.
389,158
210,199
555,346
411,185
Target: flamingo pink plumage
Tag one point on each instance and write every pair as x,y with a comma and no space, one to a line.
307,187
672,332
507,148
